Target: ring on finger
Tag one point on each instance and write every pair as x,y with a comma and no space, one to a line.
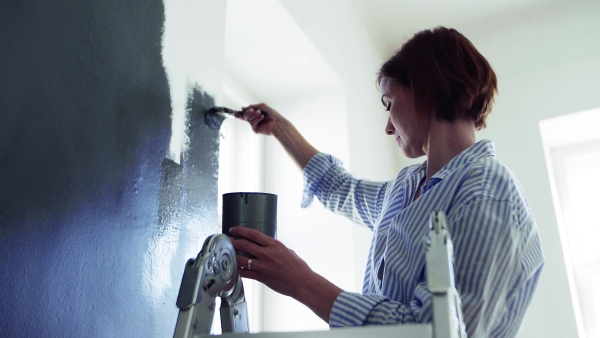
249,266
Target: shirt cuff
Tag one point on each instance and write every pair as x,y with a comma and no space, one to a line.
352,309
314,171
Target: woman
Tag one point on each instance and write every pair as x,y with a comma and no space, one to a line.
438,90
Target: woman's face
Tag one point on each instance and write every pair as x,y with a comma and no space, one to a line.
410,131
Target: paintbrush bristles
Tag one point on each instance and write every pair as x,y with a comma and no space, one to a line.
214,116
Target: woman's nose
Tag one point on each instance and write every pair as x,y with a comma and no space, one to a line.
389,127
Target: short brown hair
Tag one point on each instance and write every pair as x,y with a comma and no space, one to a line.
446,74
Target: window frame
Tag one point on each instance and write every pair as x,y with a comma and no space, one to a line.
560,148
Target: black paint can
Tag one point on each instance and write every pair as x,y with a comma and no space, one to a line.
254,210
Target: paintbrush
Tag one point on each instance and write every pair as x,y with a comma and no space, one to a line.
215,116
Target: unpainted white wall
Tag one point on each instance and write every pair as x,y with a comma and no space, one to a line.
323,240
547,62
348,48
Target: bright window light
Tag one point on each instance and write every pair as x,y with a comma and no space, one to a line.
583,186
572,148
240,158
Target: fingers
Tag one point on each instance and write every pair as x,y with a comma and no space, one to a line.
254,117
258,106
250,240
251,274
252,234
247,246
261,118
249,268
254,111
279,267
249,113
246,263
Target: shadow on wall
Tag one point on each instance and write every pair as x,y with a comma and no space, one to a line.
84,129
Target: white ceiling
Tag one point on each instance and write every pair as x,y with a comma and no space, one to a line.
270,56
391,21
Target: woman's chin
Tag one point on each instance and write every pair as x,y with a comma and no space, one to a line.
410,153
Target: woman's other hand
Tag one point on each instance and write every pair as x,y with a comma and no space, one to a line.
273,263
283,271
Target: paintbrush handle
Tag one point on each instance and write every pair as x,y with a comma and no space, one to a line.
225,110
240,113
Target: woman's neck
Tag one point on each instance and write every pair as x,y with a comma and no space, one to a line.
445,141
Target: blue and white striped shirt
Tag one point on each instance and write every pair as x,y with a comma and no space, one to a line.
497,252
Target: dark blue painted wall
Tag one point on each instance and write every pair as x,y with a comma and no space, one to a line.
85,189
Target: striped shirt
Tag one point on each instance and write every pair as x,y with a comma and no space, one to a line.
497,252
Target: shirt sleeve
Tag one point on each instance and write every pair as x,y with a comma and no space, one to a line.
488,270
354,309
359,200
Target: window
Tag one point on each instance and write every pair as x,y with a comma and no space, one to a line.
573,158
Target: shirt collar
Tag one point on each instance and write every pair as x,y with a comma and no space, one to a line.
479,150
475,152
